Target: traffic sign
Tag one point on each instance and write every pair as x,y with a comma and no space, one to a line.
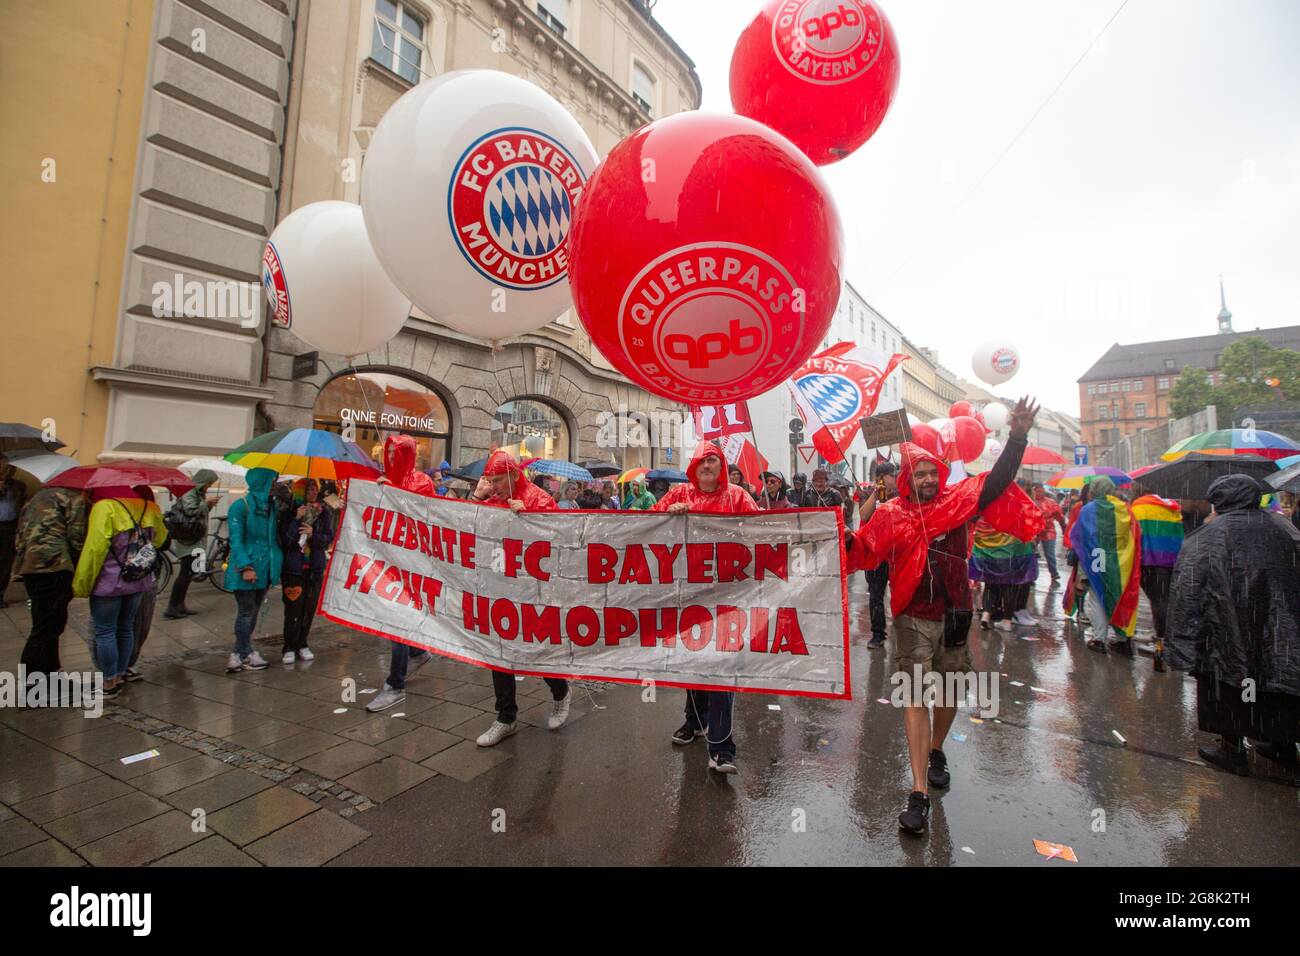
808,453
1081,454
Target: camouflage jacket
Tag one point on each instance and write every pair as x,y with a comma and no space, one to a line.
51,532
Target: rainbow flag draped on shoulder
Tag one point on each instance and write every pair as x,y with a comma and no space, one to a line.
1108,542
1161,521
1001,558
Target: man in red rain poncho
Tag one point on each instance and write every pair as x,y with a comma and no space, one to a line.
504,485
922,534
708,712
400,472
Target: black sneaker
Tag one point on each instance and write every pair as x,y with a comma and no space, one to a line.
174,614
686,734
877,642
722,763
918,811
938,773
112,693
133,675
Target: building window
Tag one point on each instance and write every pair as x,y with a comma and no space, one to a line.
1126,386
555,14
1138,385
530,429
1092,389
1163,384
643,88
1103,411
1141,411
1169,365
379,405
398,39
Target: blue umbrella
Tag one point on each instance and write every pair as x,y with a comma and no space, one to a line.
564,470
667,474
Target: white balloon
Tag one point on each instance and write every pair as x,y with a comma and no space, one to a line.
995,416
995,362
468,190
325,284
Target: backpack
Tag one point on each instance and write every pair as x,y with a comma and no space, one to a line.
141,556
182,526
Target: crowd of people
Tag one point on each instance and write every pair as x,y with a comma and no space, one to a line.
1222,577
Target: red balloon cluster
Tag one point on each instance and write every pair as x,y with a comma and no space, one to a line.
820,72
956,439
706,258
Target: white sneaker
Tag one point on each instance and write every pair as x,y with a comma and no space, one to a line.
306,655
559,712
1002,625
497,733
287,658
255,662
234,664
1024,618
386,698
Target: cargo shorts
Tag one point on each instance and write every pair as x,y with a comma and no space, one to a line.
918,641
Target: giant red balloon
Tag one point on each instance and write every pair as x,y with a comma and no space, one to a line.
706,258
928,438
970,437
820,72
958,409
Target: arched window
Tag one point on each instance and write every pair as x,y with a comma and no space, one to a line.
528,428
377,404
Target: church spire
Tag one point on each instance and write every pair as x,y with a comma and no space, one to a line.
1225,317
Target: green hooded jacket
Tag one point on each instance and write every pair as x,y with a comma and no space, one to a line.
253,544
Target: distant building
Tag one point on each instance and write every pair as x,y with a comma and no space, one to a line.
1128,388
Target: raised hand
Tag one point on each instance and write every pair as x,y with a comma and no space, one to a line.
1022,417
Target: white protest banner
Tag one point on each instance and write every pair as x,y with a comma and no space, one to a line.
716,602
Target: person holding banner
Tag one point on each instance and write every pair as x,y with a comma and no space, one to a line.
708,712
504,485
878,578
400,453
923,535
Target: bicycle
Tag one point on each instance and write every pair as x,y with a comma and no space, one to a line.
214,562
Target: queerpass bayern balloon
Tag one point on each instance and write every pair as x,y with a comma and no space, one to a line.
325,284
706,258
820,72
468,190
996,416
995,362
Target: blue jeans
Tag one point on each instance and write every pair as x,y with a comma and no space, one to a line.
114,619
249,603
1049,552
710,711
402,655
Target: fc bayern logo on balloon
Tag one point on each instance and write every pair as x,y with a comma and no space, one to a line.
277,290
510,205
827,41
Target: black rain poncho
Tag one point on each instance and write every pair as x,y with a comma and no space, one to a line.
1234,601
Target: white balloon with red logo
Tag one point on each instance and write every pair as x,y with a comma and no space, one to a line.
326,285
995,362
469,187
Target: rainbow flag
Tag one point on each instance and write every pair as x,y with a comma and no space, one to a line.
1162,530
1108,543
1000,558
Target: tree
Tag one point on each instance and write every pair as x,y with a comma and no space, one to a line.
1192,391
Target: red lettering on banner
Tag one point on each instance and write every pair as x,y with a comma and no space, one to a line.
731,628
366,515
619,623
422,530
405,597
388,523
467,543
372,572
541,624
388,583
665,555
582,626
475,611
435,544
399,530
653,632
412,541
699,563
695,617
359,561
505,618
601,559
536,553
432,589
758,629
789,637
636,570
733,559
449,543
771,559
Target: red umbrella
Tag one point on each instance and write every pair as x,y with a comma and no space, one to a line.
120,474
1041,456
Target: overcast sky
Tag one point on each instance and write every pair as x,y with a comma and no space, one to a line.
1170,156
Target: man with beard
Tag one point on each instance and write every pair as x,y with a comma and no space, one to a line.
923,535
708,712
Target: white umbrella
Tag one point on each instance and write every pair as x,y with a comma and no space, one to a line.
227,472
41,465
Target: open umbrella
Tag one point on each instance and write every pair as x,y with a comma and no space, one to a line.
1192,474
564,470
471,472
632,474
666,474
40,464
227,472
1288,479
1235,441
119,474
1034,455
600,469
15,436
1072,479
1288,462
308,452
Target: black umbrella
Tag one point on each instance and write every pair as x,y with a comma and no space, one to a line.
15,436
471,472
601,469
1192,475
1288,479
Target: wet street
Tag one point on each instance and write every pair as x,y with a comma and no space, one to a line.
286,772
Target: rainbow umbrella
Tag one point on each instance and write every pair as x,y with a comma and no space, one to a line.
632,474
1072,479
308,452
1139,472
1235,441
1288,462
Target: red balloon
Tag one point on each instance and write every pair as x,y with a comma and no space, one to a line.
928,438
970,437
706,258
959,409
820,72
